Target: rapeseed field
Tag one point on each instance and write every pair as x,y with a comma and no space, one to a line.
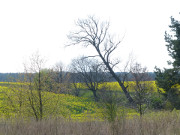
14,103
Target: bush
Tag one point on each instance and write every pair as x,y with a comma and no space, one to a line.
156,102
109,103
173,97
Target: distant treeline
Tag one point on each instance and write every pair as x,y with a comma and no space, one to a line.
8,77
12,77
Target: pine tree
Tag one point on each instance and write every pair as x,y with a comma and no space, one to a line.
169,79
173,42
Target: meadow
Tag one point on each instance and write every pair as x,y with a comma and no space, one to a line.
159,123
69,114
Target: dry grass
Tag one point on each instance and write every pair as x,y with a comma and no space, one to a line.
164,123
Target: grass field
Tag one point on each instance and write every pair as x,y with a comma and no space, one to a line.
67,105
79,115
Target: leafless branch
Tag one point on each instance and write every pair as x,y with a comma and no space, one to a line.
92,32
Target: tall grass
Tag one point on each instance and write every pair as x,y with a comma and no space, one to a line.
159,123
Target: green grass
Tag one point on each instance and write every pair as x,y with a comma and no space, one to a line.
69,106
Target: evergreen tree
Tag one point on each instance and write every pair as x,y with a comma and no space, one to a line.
173,42
169,79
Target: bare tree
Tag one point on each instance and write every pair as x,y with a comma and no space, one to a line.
142,86
61,76
93,33
32,96
91,72
77,84
37,64
39,82
59,69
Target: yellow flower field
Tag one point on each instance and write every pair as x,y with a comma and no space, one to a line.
69,106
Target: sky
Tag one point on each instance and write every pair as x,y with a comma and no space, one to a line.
28,26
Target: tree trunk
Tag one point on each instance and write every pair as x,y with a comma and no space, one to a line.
128,96
95,95
40,98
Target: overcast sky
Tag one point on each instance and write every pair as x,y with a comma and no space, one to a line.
27,26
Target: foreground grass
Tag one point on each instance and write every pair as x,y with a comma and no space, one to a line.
159,123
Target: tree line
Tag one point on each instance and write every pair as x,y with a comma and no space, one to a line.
12,77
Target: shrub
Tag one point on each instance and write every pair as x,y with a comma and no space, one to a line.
156,102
